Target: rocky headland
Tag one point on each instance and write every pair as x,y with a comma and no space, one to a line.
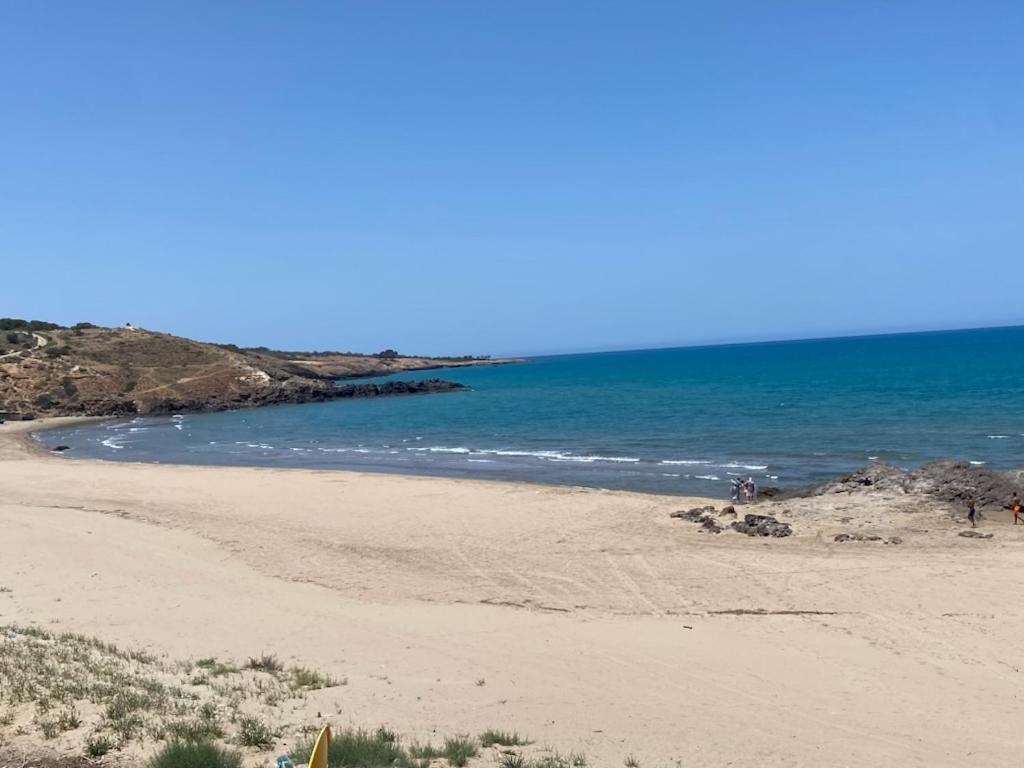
47,370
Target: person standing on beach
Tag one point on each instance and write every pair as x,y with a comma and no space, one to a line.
751,491
735,490
971,512
1015,508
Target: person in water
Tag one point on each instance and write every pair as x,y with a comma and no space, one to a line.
1015,507
972,512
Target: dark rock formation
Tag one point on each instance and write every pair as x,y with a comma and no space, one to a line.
710,525
60,448
297,392
702,515
730,510
762,525
695,515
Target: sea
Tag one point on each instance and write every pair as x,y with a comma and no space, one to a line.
672,421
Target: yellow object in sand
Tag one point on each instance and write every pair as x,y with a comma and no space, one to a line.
318,758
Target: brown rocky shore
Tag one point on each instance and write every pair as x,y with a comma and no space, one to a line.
90,371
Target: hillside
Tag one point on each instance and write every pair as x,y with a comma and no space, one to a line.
48,370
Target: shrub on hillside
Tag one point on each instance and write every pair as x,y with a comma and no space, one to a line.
17,324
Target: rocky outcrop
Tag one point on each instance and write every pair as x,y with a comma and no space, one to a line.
125,371
762,525
953,482
296,393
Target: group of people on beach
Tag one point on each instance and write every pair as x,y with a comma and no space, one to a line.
1014,506
744,491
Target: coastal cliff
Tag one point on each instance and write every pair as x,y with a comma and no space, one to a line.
48,371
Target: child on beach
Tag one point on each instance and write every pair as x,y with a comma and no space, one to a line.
971,512
1015,507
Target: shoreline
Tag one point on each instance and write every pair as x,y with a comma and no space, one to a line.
26,438
597,623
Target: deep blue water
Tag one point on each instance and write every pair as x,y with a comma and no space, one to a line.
670,420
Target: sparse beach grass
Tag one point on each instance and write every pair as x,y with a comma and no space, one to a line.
459,749
57,683
352,748
490,738
199,714
186,754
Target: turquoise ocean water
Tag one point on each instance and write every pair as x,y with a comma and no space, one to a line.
669,420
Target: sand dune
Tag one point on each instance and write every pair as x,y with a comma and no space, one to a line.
597,623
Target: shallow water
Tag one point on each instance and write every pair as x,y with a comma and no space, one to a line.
670,421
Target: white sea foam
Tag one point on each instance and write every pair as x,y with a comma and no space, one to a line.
872,458
557,456
480,461
535,454
977,463
684,461
113,443
737,465
591,459
998,437
707,477
669,474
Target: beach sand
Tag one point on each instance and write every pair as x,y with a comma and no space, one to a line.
588,620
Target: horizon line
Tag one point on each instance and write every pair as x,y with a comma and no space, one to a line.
750,342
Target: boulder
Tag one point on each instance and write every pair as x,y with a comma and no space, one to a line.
709,524
762,525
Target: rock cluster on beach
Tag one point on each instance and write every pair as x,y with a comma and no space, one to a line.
751,525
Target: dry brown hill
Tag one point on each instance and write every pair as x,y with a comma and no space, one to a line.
108,371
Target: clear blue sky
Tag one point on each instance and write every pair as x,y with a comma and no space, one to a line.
512,177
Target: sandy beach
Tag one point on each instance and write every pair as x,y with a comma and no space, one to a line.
590,621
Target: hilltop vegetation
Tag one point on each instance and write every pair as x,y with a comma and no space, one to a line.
47,369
